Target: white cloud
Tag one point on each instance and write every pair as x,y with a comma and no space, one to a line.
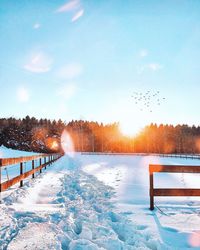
143,53
154,66
67,91
77,15
69,6
70,71
39,63
36,25
150,66
22,94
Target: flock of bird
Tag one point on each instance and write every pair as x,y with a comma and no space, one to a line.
147,100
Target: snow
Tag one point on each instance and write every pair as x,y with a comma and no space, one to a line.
100,202
176,221
10,153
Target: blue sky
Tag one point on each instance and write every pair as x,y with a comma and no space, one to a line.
85,59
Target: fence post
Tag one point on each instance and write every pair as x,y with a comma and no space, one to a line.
45,162
151,191
40,165
33,166
0,182
21,172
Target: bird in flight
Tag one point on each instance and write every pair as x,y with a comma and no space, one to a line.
147,100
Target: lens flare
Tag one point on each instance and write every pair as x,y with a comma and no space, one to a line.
67,144
52,143
194,239
55,145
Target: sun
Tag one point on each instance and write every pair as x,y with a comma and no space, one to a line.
128,128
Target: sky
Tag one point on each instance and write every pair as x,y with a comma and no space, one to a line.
89,59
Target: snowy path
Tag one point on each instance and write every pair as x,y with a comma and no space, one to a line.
67,209
99,202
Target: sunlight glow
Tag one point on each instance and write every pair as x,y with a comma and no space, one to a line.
52,143
67,143
128,128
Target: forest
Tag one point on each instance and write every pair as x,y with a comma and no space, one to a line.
44,135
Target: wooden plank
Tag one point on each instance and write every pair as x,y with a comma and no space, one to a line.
151,191
176,192
40,165
21,173
12,161
33,166
173,169
5,185
0,181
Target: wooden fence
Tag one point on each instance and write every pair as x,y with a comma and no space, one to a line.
185,156
7,162
171,191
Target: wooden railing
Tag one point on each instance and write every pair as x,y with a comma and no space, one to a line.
185,156
171,191
7,162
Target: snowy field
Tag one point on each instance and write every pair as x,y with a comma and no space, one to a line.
100,202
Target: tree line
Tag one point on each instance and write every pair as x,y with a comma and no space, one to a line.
167,139
44,135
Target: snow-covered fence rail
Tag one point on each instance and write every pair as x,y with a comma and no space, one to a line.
6,162
171,191
185,156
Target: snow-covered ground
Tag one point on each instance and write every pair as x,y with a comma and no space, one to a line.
100,202
9,153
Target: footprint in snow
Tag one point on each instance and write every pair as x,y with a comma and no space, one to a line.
127,213
114,217
141,227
